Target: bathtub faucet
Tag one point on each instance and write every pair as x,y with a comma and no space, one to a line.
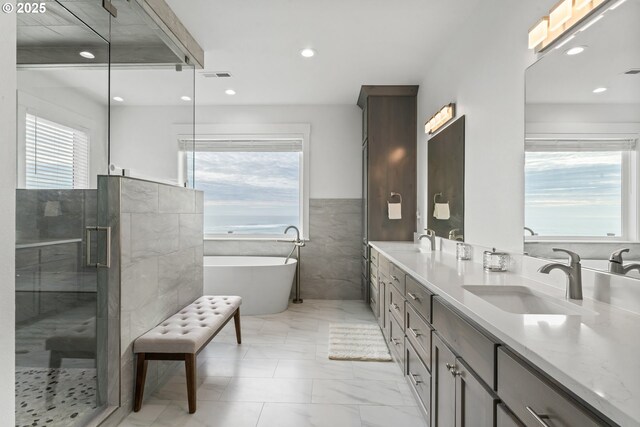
298,241
297,244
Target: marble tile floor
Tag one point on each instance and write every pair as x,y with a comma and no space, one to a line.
281,377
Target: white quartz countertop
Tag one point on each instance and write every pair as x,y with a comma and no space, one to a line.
595,356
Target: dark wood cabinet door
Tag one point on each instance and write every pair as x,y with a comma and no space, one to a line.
475,402
443,384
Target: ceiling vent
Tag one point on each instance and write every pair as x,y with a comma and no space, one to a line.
633,71
216,74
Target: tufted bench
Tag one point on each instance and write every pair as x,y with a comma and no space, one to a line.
182,336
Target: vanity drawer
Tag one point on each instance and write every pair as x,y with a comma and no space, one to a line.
418,376
373,273
419,297
383,265
396,341
397,277
373,256
382,311
505,418
373,301
419,334
396,305
477,349
523,390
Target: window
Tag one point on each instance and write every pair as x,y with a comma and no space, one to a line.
578,188
57,156
253,187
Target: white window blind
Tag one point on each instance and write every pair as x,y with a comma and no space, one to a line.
583,144
57,156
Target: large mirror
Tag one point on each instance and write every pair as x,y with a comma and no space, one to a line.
581,144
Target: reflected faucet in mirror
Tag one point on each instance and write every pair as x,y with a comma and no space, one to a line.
573,271
431,235
616,263
454,235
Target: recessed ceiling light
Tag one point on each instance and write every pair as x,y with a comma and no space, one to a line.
600,90
87,54
575,50
307,52
118,98
230,92
185,98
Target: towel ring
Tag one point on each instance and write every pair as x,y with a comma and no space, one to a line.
435,197
394,194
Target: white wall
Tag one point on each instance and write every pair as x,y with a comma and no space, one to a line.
7,215
335,141
482,71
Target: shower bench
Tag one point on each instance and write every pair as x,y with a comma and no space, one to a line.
182,337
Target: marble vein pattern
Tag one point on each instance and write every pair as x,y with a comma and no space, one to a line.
283,380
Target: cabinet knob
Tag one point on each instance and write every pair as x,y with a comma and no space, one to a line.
450,367
538,417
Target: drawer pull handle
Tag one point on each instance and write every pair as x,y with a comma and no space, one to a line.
414,332
395,278
539,417
414,380
450,367
413,296
394,306
395,341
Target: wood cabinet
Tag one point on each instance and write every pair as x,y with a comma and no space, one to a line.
460,374
389,162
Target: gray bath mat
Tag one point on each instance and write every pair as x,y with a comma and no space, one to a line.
353,341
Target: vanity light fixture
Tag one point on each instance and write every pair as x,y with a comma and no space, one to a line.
442,117
560,14
600,90
86,54
118,99
566,15
185,98
230,92
307,52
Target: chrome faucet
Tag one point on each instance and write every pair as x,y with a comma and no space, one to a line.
573,271
453,235
431,235
616,266
298,241
533,233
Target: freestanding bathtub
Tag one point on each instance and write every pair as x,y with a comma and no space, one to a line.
264,283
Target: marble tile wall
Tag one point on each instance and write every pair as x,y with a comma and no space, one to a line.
161,253
330,260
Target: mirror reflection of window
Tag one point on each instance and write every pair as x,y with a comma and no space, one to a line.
577,188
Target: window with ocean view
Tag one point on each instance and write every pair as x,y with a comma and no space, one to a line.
250,187
575,193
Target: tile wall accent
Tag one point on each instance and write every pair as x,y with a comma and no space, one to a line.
161,254
330,260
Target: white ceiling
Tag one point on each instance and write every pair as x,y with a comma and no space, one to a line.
613,47
357,42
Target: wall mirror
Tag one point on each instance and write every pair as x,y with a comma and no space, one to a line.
582,127
445,207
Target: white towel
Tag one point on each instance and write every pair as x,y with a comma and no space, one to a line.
441,211
395,210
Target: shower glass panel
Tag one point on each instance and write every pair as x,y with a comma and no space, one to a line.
62,145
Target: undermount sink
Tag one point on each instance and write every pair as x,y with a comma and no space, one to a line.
524,300
406,247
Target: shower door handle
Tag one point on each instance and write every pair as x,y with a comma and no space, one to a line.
88,232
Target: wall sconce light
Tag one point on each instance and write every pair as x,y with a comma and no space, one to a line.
441,118
563,17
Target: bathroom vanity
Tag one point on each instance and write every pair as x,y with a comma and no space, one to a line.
501,349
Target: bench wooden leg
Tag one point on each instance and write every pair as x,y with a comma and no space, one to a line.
190,366
236,320
141,375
